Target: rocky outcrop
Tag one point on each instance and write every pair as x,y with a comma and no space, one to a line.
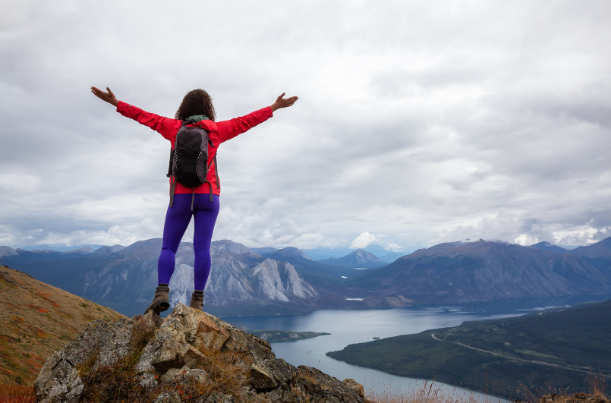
188,356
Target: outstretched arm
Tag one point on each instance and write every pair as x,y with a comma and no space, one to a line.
228,129
281,102
165,126
106,96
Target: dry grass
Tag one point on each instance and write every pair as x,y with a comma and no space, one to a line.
431,392
36,320
594,385
16,394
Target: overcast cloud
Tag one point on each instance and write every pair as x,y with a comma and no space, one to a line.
418,122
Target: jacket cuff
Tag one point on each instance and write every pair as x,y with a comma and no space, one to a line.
121,106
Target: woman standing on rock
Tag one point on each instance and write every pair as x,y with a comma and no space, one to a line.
201,201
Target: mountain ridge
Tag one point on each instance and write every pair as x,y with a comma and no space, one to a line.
359,258
483,271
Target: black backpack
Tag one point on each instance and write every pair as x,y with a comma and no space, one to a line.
189,160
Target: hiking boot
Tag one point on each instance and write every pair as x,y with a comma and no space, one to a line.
161,301
197,300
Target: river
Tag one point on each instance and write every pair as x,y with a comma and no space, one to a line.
358,326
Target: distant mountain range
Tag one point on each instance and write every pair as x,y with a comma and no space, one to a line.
485,271
360,258
319,254
125,279
248,281
25,256
548,246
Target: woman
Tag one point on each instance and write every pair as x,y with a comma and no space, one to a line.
197,109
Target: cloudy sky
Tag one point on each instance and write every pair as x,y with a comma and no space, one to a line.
418,122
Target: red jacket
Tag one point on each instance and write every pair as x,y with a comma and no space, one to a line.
218,132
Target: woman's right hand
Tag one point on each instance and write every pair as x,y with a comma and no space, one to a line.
105,96
283,103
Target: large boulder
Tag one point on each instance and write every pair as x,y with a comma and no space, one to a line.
188,356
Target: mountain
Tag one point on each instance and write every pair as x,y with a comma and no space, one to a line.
326,253
235,247
323,276
288,253
58,247
392,256
108,249
484,271
85,250
9,255
125,280
559,345
274,280
600,249
548,246
6,251
263,251
37,319
360,258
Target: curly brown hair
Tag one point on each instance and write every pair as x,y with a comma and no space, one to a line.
196,102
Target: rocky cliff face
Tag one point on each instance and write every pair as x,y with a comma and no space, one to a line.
188,357
125,280
233,279
280,281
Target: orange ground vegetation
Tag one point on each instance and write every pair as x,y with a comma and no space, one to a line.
46,297
37,308
16,394
36,320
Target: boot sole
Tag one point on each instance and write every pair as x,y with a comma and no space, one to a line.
158,307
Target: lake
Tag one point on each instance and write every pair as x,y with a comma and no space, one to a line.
358,326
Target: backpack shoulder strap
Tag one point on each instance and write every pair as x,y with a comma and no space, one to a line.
216,171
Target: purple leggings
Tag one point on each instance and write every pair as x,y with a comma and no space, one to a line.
176,221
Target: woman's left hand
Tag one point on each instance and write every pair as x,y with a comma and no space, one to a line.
105,96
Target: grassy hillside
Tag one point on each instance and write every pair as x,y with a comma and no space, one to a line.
35,320
559,347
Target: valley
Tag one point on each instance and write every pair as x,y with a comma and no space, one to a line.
560,346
